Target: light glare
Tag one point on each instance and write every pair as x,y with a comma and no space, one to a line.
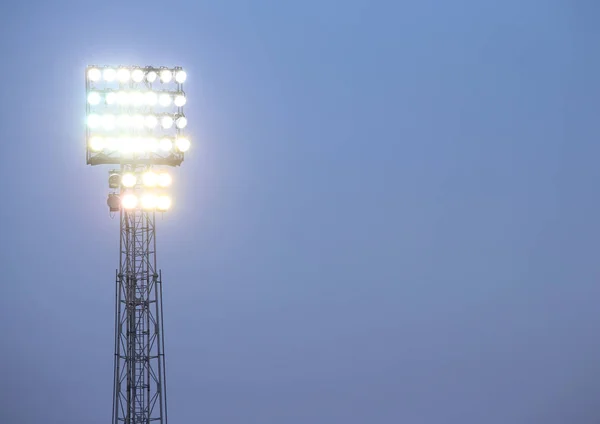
123,75
137,75
111,98
94,98
166,76
180,77
128,180
166,144
109,74
149,201
166,122
181,122
96,143
151,98
151,76
183,144
108,122
151,121
93,121
180,100
129,201
164,100
164,180
163,203
94,74
150,179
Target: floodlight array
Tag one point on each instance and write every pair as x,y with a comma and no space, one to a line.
136,115
139,190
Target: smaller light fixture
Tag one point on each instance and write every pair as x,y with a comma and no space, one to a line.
114,180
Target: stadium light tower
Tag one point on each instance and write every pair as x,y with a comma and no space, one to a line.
135,120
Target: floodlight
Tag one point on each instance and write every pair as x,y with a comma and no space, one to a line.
150,121
128,180
183,144
150,98
123,75
94,98
150,179
94,74
111,98
166,145
123,98
163,203
180,77
149,201
93,121
123,121
137,75
166,122
181,122
164,99
129,201
138,122
151,144
112,143
114,180
180,100
151,76
164,179
97,144
165,76
137,98
108,122
110,74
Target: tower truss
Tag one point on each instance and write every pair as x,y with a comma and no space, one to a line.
139,367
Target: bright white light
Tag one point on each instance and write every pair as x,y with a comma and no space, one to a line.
166,145
181,122
109,74
108,122
150,179
151,98
136,98
96,144
149,201
123,75
183,144
163,203
180,100
94,121
123,121
123,97
94,98
166,76
137,75
111,98
180,77
138,145
151,144
164,100
150,121
128,180
164,180
151,76
129,201
124,145
166,122
94,74
112,143
138,122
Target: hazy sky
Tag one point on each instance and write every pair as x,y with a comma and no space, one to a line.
389,213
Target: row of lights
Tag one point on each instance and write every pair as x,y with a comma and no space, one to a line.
148,202
148,179
110,122
138,144
124,75
137,98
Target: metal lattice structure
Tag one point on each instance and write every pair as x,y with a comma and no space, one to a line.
139,394
135,120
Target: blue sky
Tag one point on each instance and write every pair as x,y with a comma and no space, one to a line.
388,214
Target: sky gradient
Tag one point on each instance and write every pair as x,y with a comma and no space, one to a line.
389,212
